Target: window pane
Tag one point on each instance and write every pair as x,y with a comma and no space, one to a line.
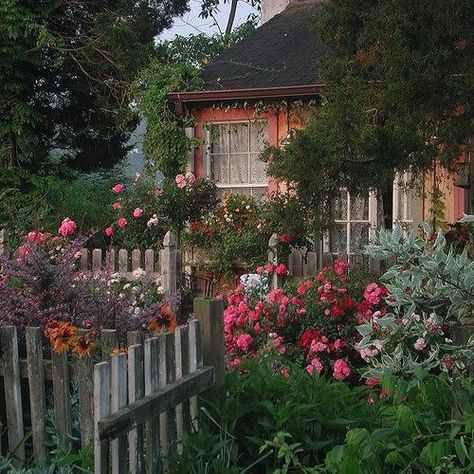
220,169
258,136
219,139
238,137
359,237
338,239
340,207
359,208
239,169
258,173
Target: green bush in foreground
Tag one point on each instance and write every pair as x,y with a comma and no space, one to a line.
263,422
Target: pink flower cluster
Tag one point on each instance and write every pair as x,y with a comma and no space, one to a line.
373,302
314,322
122,221
281,269
67,227
185,180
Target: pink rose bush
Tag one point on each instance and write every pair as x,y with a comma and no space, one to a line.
312,323
144,212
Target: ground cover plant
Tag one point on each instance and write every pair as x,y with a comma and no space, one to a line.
263,421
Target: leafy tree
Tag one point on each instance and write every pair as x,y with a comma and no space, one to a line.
398,97
177,67
67,67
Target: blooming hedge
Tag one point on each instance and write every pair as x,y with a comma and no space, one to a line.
313,322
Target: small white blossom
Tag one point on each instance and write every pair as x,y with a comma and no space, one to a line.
138,273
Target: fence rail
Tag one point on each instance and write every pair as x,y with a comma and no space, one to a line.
165,368
152,424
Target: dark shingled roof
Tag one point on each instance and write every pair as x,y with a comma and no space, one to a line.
282,52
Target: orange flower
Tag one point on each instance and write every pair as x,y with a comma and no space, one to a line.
164,322
119,350
61,336
83,346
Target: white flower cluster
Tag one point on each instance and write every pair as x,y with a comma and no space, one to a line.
153,221
255,284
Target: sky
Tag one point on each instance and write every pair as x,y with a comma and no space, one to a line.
192,23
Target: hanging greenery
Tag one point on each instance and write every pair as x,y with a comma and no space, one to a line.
165,143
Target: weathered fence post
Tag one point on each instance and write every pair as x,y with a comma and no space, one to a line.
169,261
11,376
3,243
210,313
276,281
101,410
34,354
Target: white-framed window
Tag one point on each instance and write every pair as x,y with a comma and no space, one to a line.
233,150
355,220
403,201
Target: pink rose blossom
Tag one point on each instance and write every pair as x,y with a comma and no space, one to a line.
341,370
269,268
180,181
68,227
122,222
23,251
109,231
281,269
244,341
234,363
316,364
420,344
36,236
118,188
117,205
137,213
260,270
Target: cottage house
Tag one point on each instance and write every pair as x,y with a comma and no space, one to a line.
259,92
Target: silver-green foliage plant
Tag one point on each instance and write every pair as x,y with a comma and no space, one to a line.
431,297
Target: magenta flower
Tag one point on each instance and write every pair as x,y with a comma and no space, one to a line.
109,231
117,205
118,188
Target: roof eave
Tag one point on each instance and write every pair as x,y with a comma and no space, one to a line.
246,94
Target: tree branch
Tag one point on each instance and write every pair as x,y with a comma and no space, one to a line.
231,19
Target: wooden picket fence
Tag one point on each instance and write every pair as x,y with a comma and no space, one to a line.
162,374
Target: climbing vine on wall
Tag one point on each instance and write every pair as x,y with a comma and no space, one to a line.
165,143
